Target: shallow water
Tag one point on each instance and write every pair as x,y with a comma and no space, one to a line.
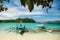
52,26
29,25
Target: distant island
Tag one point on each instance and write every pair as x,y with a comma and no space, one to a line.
57,21
18,20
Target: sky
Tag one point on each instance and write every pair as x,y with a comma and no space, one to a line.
16,10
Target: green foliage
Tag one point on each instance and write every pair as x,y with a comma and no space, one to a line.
1,5
3,8
23,2
19,20
30,3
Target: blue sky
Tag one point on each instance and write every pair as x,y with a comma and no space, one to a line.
15,10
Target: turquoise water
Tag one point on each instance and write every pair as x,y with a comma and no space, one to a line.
52,26
9,25
29,25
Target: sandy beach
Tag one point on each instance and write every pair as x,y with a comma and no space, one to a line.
29,36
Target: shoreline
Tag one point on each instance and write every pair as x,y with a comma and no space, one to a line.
29,36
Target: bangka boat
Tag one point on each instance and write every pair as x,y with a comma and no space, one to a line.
52,31
21,30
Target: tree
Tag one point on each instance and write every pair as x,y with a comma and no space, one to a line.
1,5
44,3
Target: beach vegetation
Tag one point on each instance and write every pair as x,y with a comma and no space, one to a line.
30,3
18,20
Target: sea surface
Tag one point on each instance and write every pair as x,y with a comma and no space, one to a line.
28,25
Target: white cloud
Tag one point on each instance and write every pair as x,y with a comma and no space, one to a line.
16,11
13,12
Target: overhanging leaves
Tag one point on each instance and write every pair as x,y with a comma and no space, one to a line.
30,3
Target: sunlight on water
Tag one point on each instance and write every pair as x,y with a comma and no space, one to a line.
29,25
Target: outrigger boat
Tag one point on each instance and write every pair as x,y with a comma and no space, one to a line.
22,30
41,27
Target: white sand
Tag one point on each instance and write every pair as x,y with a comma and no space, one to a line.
29,36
